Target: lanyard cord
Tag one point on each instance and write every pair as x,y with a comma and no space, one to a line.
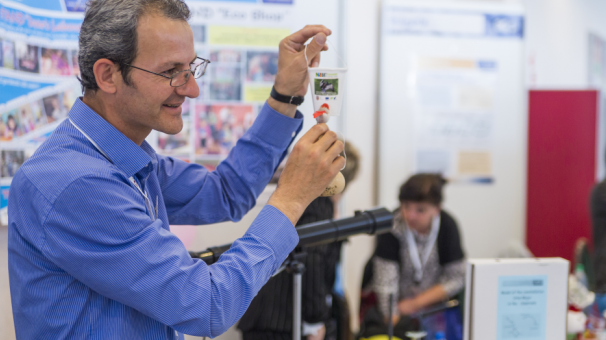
413,251
131,178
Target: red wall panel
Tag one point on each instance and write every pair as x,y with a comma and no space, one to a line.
561,169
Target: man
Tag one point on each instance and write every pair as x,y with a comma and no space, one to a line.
90,251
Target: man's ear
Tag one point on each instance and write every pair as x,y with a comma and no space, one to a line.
105,71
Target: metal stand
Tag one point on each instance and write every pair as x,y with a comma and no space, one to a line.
296,268
390,322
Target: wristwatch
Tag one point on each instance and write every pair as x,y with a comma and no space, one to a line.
294,100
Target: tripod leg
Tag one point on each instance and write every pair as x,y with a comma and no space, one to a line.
297,292
390,322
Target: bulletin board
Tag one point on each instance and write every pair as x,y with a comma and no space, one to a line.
38,69
451,101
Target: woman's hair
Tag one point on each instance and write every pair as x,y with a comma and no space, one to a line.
423,188
352,163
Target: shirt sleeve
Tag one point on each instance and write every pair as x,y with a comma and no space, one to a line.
453,277
385,281
106,240
194,195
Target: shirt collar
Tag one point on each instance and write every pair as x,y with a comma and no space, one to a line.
123,152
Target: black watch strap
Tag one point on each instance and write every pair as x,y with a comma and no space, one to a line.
286,99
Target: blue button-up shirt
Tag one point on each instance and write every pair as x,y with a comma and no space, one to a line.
91,258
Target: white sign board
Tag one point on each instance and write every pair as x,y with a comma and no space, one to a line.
522,299
452,101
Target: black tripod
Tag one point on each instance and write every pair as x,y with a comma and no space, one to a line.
371,222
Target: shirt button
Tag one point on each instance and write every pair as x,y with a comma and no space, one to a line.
293,134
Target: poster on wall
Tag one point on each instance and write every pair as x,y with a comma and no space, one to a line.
453,114
39,66
449,93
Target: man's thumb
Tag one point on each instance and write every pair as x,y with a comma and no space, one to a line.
316,45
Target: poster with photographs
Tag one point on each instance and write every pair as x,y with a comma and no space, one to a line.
199,33
178,144
27,121
261,66
9,126
54,62
225,82
10,162
27,57
218,127
8,54
55,108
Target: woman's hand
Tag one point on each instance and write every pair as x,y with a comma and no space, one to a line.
408,306
319,335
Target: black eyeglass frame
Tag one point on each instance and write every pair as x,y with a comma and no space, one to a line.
204,63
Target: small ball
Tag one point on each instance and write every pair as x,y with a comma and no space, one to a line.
335,186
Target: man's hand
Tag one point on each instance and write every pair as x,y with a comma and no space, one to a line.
312,164
292,78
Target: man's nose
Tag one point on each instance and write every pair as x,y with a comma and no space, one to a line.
190,88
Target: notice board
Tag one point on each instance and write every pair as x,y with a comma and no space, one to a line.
451,101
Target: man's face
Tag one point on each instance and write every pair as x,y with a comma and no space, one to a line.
164,46
419,215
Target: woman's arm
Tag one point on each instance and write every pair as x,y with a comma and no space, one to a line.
451,282
386,278
429,297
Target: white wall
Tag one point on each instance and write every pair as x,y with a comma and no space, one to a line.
362,24
557,37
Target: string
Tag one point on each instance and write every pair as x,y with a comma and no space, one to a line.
332,46
337,52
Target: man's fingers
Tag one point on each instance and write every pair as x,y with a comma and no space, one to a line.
339,162
327,140
335,149
314,133
315,46
307,32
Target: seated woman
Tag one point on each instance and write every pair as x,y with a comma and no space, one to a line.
420,261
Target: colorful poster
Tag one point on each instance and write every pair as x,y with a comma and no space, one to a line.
39,66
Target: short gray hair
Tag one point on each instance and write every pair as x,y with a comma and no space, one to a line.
109,30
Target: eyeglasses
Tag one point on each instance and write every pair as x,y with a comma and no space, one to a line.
179,78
